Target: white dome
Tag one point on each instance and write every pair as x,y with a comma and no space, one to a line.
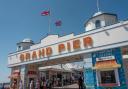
97,13
27,40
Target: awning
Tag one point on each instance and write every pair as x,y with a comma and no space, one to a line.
107,64
68,67
54,68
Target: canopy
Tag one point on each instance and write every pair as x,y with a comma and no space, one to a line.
107,64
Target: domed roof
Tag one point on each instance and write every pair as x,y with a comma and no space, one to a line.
27,40
97,13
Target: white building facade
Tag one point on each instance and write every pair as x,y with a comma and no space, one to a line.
103,48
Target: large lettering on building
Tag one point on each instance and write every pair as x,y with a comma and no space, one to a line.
72,45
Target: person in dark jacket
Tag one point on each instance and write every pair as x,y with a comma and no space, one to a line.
80,82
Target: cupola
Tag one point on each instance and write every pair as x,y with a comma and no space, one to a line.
100,19
25,44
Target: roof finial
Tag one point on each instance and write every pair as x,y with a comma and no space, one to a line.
98,8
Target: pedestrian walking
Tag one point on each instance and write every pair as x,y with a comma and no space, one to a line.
47,83
44,87
80,82
41,84
37,84
31,86
21,85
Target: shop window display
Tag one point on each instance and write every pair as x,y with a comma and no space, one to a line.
108,77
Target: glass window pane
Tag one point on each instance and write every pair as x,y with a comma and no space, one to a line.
108,76
98,24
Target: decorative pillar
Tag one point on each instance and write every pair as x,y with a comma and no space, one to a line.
88,72
23,76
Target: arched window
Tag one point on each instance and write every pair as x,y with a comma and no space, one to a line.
98,23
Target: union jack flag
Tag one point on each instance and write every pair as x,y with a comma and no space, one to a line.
58,23
45,13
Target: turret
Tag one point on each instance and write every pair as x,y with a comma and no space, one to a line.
100,19
25,44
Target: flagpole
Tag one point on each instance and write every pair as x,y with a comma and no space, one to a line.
98,8
49,22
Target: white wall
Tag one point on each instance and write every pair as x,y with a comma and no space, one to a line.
101,37
91,24
52,39
105,21
110,20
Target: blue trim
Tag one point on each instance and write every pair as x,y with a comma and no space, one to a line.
118,57
89,77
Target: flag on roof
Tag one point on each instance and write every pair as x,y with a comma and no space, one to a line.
58,23
45,13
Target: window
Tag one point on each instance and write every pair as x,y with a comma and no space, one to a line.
98,23
108,76
19,47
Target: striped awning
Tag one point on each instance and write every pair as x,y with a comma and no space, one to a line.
107,64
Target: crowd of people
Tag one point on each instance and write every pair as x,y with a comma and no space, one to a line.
48,84
43,83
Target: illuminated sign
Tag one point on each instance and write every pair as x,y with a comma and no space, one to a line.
76,44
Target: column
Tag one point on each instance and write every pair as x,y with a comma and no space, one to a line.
88,72
23,76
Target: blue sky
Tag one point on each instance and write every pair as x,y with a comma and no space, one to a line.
21,19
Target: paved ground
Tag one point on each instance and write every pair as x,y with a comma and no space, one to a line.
73,86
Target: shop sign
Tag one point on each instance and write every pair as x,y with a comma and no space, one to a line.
104,55
105,58
76,44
